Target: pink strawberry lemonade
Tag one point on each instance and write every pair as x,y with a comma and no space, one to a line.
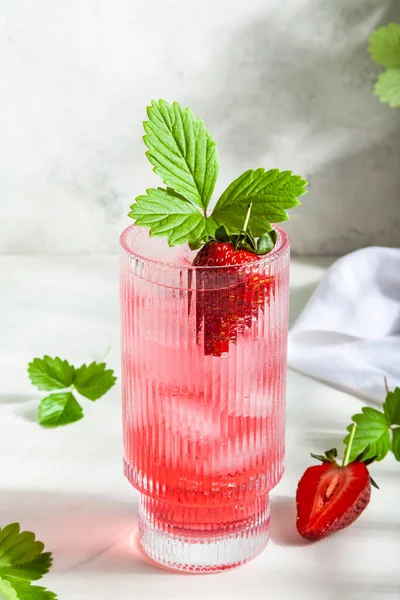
203,434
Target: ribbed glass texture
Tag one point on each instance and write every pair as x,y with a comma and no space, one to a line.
203,374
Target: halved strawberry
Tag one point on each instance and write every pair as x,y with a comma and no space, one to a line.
228,297
330,497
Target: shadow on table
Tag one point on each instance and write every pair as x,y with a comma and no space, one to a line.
27,405
283,522
85,533
88,533
16,398
379,588
322,439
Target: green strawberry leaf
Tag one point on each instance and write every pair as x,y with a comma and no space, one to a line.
7,592
30,569
391,407
182,151
50,373
21,555
266,242
271,193
59,409
184,154
25,591
372,429
396,442
168,214
388,87
94,380
385,46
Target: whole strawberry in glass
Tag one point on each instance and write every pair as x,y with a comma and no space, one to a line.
229,296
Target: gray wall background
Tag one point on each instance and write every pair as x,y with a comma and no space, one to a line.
280,83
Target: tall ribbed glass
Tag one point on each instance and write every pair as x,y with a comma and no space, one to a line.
203,374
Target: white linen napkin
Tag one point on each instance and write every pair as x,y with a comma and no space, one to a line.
349,332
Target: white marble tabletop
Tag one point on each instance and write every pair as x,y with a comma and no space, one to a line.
67,485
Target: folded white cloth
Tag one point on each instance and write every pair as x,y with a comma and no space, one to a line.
349,332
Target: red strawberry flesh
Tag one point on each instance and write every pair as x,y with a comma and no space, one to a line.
330,498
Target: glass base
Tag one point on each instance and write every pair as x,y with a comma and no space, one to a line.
203,550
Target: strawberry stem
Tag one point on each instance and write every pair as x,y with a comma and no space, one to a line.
106,353
349,445
246,221
386,386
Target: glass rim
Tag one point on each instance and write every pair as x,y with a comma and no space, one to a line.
280,248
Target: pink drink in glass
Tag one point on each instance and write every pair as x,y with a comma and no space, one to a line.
203,433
